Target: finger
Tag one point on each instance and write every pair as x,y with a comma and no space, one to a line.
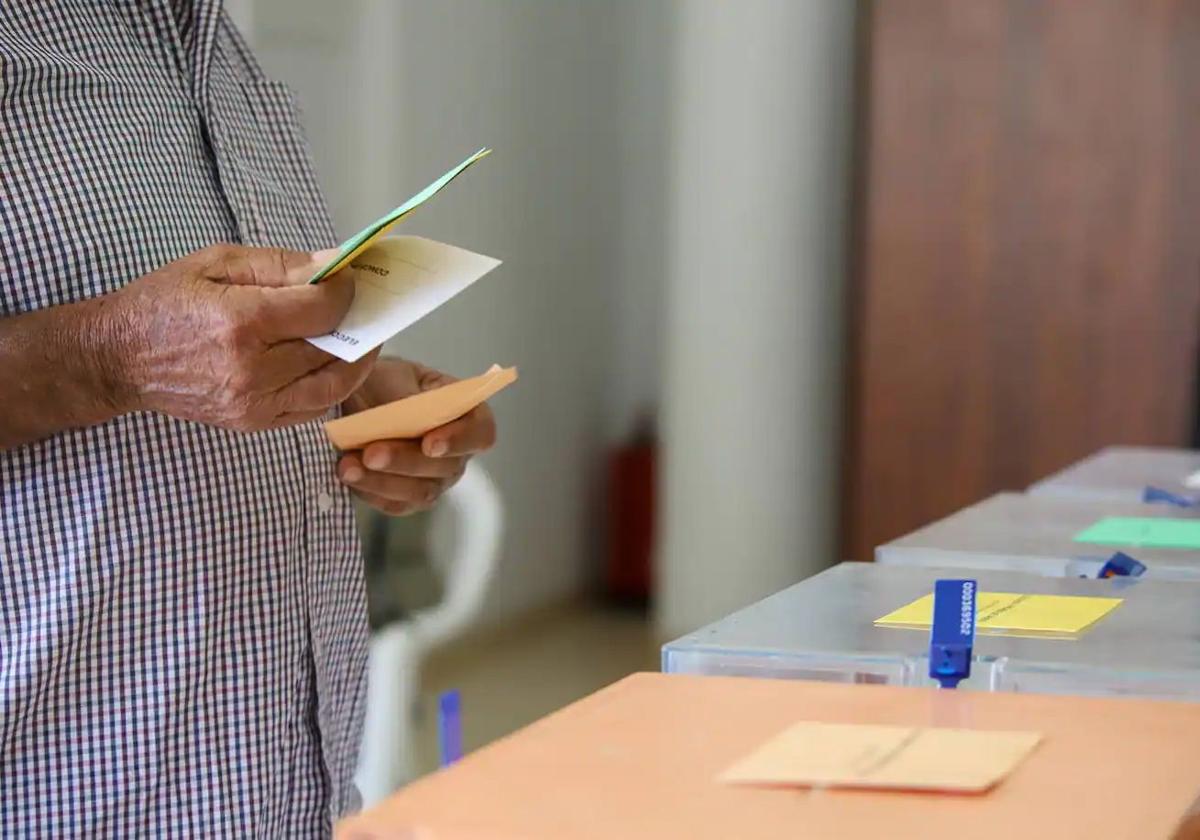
327,386
288,312
295,418
474,432
398,488
404,457
326,256
287,361
392,507
351,469
430,379
323,258
267,267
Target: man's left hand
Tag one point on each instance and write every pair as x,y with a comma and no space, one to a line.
400,477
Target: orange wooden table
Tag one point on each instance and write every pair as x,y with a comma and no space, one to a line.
638,761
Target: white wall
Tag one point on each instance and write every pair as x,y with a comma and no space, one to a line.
396,93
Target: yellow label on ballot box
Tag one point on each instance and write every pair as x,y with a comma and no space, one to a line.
1014,614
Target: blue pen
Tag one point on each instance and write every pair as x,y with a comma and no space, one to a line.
450,726
952,633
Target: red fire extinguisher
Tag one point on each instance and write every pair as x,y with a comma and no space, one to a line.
631,490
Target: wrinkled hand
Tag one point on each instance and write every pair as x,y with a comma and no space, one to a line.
404,476
217,337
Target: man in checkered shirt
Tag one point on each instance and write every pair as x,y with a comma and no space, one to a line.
182,614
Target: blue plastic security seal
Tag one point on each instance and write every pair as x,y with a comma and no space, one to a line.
450,726
952,634
1121,565
1156,495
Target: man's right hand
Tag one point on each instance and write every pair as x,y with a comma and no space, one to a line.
217,337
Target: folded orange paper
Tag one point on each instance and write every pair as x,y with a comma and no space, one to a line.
413,416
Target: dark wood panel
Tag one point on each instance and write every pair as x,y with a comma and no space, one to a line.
1028,282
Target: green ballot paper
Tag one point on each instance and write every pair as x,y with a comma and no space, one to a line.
1143,532
358,243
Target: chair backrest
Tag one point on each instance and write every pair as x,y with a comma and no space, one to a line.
476,516
472,519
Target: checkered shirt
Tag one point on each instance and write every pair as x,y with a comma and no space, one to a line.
182,610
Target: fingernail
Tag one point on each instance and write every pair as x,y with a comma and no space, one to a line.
438,448
352,474
325,256
375,460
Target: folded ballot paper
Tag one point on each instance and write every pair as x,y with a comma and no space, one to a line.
413,416
1015,614
397,280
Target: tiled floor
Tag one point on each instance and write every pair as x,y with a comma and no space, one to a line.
520,674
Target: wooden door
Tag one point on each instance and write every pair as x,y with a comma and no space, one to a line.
1028,247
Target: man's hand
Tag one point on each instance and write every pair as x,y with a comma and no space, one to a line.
217,337
404,476
214,337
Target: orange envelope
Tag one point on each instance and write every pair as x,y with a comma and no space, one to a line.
863,755
413,416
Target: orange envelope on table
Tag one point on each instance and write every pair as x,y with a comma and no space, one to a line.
413,416
856,755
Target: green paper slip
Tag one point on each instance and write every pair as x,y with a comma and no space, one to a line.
358,243
1143,532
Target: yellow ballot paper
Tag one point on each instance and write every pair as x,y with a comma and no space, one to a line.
413,416
1014,614
856,755
397,282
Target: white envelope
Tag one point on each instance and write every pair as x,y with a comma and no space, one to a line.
398,281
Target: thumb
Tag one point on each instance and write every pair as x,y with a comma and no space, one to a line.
324,258
268,267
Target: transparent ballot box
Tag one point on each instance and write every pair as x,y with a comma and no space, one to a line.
1037,535
1123,474
824,629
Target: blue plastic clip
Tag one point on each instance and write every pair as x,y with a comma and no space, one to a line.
450,726
1156,495
1121,565
952,635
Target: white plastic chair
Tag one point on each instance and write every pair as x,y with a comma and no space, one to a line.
385,761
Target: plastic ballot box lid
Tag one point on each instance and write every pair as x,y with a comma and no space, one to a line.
824,628
1122,474
1046,535
640,760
